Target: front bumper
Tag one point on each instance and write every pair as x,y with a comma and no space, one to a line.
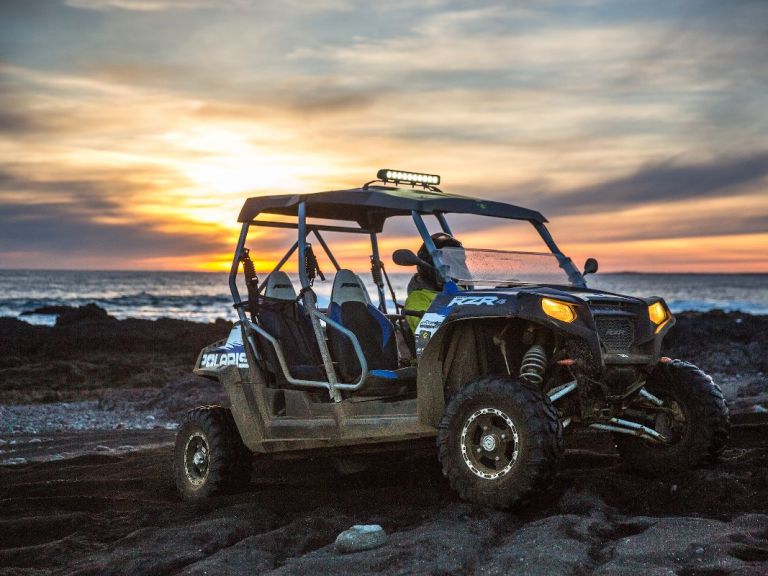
612,331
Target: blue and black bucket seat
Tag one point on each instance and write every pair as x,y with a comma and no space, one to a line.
283,317
352,308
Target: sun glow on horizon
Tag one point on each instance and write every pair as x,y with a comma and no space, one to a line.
227,162
221,166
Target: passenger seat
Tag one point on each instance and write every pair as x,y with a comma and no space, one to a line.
351,307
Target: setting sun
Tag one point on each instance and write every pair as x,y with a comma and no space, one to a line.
225,162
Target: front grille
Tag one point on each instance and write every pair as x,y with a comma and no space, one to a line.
616,334
598,306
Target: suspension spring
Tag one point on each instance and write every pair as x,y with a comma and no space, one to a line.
376,272
251,280
534,365
311,265
249,270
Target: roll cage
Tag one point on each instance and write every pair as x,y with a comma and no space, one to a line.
368,207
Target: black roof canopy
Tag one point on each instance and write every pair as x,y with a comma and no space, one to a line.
371,206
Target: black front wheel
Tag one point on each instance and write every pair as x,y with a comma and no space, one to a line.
209,457
499,440
693,417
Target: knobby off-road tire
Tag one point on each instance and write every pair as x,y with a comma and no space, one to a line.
701,438
529,456
210,458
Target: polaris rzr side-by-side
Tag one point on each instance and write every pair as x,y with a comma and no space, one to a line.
511,351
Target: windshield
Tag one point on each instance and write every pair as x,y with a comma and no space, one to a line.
476,267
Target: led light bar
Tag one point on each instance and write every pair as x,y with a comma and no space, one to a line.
387,175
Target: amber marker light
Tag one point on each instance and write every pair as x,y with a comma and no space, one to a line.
658,314
558,310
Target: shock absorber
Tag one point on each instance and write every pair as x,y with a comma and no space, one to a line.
251,280
534,365
311,265
376,272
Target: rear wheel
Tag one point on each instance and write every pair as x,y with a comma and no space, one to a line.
209,457
498,440
694,418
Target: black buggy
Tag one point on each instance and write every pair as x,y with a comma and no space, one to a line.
513,351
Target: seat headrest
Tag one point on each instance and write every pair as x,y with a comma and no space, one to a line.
347,287
279,286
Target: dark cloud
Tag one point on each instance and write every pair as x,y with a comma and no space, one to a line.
333,101
98,196
18,122
79,226
662,182
58,230
680,227
31,114
12,180
688,228
13,123
655,184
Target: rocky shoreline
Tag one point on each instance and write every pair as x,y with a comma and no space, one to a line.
731,347
89,355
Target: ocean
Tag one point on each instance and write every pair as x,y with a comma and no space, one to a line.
204,297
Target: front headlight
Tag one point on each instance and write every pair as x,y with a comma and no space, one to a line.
658,314
558,310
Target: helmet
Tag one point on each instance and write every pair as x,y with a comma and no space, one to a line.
429,275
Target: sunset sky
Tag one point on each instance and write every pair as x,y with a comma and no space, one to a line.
131,131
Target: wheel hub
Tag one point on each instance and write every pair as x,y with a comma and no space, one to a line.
489,443
671,423
196,459
200,458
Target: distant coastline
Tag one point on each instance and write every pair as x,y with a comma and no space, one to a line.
205,297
